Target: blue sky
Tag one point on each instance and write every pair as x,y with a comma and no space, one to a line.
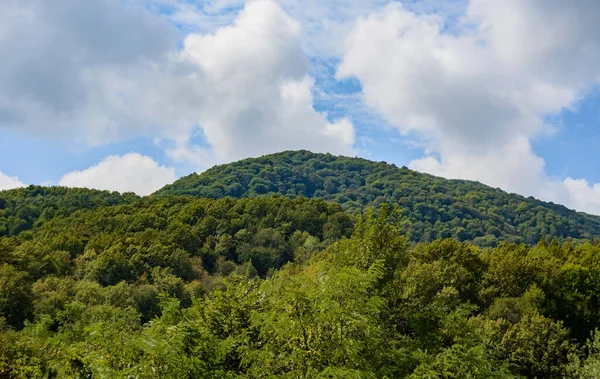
573,150
128,95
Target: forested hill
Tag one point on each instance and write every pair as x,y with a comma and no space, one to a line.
97,284
432,207
23,208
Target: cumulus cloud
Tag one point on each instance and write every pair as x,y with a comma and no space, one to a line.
55,55
9,182
324,23
258,92
477,97
101,71
128,173
583,194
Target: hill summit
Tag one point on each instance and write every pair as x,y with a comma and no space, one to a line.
432,207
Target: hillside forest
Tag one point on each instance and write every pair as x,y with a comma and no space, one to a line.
275,283
432,207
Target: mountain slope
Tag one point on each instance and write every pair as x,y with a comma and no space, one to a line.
432,207
22,208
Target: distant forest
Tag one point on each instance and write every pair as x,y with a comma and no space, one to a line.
432,207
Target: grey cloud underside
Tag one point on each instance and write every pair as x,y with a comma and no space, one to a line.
109,70
51,48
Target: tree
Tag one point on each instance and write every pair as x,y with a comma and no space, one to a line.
538,347
15,296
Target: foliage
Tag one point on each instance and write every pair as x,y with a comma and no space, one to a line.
432,207
96,284
179,246
164,288
23,208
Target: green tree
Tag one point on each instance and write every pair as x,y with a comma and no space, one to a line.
15,296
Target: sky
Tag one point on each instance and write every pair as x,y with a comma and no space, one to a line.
129,95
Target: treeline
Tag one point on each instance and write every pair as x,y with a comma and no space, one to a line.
432,207
273,287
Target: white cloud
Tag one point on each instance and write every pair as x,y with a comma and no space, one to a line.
583,194
513,167
258,95
107,70
54,55
128,173
9,182
324,23
478,96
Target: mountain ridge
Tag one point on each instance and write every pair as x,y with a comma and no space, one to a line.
486,215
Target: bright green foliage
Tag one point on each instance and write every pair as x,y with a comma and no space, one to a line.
538,347
23,208
462,361
319,319
269,287
589,367
432,207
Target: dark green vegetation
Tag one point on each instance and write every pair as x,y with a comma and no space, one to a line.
101,285
432,207
22,208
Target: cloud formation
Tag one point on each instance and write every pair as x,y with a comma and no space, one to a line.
9,182
479,96
128,173
57,58
258,95
102,71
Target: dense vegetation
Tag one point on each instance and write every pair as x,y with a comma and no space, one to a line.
190,238
275,287
432,207
96,284
21,209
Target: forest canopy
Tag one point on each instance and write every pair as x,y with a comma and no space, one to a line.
432,207
275,287
97,284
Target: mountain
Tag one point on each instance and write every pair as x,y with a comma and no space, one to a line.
432,207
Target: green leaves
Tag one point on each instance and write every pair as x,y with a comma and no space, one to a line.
15,295
588,367
275,287
317,317
433,207
538,347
